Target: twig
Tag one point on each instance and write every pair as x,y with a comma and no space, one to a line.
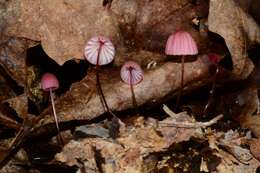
187,124
8,122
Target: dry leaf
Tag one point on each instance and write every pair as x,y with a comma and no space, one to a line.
5,90
253,123
241,105
131,25
255,148
62,26
238,29
237,159
13,57
19,104
129,152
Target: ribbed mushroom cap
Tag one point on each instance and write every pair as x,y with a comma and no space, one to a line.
181,43
49,82
131,73
99,50
214,58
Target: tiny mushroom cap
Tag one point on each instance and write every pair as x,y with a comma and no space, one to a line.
99,50
181,43
131,73
49,82
214,58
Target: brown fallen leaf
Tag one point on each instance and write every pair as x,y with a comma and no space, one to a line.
252,122
229,165
20,105
13,57
243,107
45,21
235,158
129,151
5,90
255,148
131,25
239,30
12,167
231,142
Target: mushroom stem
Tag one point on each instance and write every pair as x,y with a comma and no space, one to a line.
182,82
100,91
211,92
55,117
101,94
132,92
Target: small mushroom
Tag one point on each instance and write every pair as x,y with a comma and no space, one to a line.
214,59
100,51
181,44
50,83
132,74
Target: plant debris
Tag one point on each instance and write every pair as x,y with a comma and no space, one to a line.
215,127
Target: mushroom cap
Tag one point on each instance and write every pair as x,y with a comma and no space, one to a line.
99,50
181,43
131,73
214,58
49,82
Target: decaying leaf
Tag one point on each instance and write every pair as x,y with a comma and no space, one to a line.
253,123
12,167
236,158
230,165
237,28
5,91
13,58
243,106
139,24
232,142
62,26
255,148
19,104
135,143
139,30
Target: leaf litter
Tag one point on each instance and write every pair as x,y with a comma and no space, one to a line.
226,140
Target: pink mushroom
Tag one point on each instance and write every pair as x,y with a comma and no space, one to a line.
132,74
100,51
214,59
181,43
50,83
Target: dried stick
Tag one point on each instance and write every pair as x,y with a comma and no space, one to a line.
187,124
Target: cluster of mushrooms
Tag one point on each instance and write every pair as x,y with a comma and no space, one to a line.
99,51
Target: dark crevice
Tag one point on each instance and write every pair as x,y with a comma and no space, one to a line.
38,63
220,47
70,72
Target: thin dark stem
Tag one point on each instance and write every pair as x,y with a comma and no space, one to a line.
100,91
8,122
98,85
132,92
182,82
211,92
55,117
22,136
